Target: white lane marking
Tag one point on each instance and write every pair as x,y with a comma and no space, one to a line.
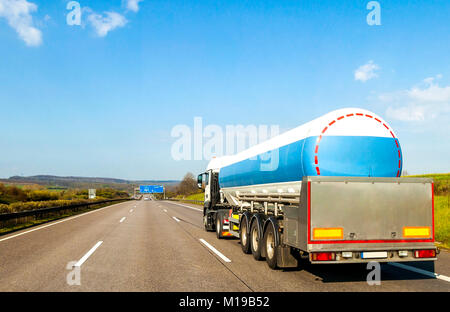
88,254
187,206
420,271
176,219
165,210
51,224
215,250
123,219
131,210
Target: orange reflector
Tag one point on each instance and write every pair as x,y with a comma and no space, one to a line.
328,233
226,234
416,231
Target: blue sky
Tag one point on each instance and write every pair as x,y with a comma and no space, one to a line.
101,99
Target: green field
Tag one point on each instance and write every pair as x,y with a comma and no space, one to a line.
434,176
197,196
442,220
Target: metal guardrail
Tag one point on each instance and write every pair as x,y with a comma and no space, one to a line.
41,212
198,202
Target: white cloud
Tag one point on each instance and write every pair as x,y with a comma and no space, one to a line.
425,101
432,93
133,5
18,15
366,72
407,113
107,22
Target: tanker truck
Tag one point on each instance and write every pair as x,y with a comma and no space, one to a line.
328,191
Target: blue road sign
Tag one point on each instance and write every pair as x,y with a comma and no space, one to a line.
151,189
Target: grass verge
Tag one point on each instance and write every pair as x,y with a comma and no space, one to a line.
186,199
442,220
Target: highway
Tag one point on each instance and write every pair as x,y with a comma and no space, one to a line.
161,246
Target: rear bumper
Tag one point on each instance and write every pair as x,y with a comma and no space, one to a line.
365,254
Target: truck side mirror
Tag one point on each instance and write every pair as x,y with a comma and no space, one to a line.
199,181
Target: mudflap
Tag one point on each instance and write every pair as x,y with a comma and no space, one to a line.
211,220
285,258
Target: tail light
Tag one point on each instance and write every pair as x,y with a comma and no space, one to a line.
428,253
323,256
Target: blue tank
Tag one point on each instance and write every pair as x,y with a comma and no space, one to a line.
348,142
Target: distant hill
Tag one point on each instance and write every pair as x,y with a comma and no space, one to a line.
84,182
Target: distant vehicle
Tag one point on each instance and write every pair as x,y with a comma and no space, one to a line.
328,191
146,198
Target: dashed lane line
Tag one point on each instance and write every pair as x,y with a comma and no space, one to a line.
214,250
88,254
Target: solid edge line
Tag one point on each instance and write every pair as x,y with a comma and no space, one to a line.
88,254
57,222
421,271
215,250
185,206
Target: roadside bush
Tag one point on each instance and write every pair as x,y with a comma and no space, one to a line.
10,194
25,206
4,208
441,187
42,195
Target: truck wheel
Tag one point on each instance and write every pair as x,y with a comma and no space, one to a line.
271,246
219,226
255,241
243,235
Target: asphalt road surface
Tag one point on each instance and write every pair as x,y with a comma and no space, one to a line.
161,246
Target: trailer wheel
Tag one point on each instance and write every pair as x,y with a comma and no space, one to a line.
271,246
255,241
243,235
219,226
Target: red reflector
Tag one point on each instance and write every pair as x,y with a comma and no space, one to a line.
429,253
323,256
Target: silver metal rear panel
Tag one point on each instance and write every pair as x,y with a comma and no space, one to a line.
371,211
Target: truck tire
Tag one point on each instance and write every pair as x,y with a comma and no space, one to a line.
271,246
219,225
243,235
255,240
